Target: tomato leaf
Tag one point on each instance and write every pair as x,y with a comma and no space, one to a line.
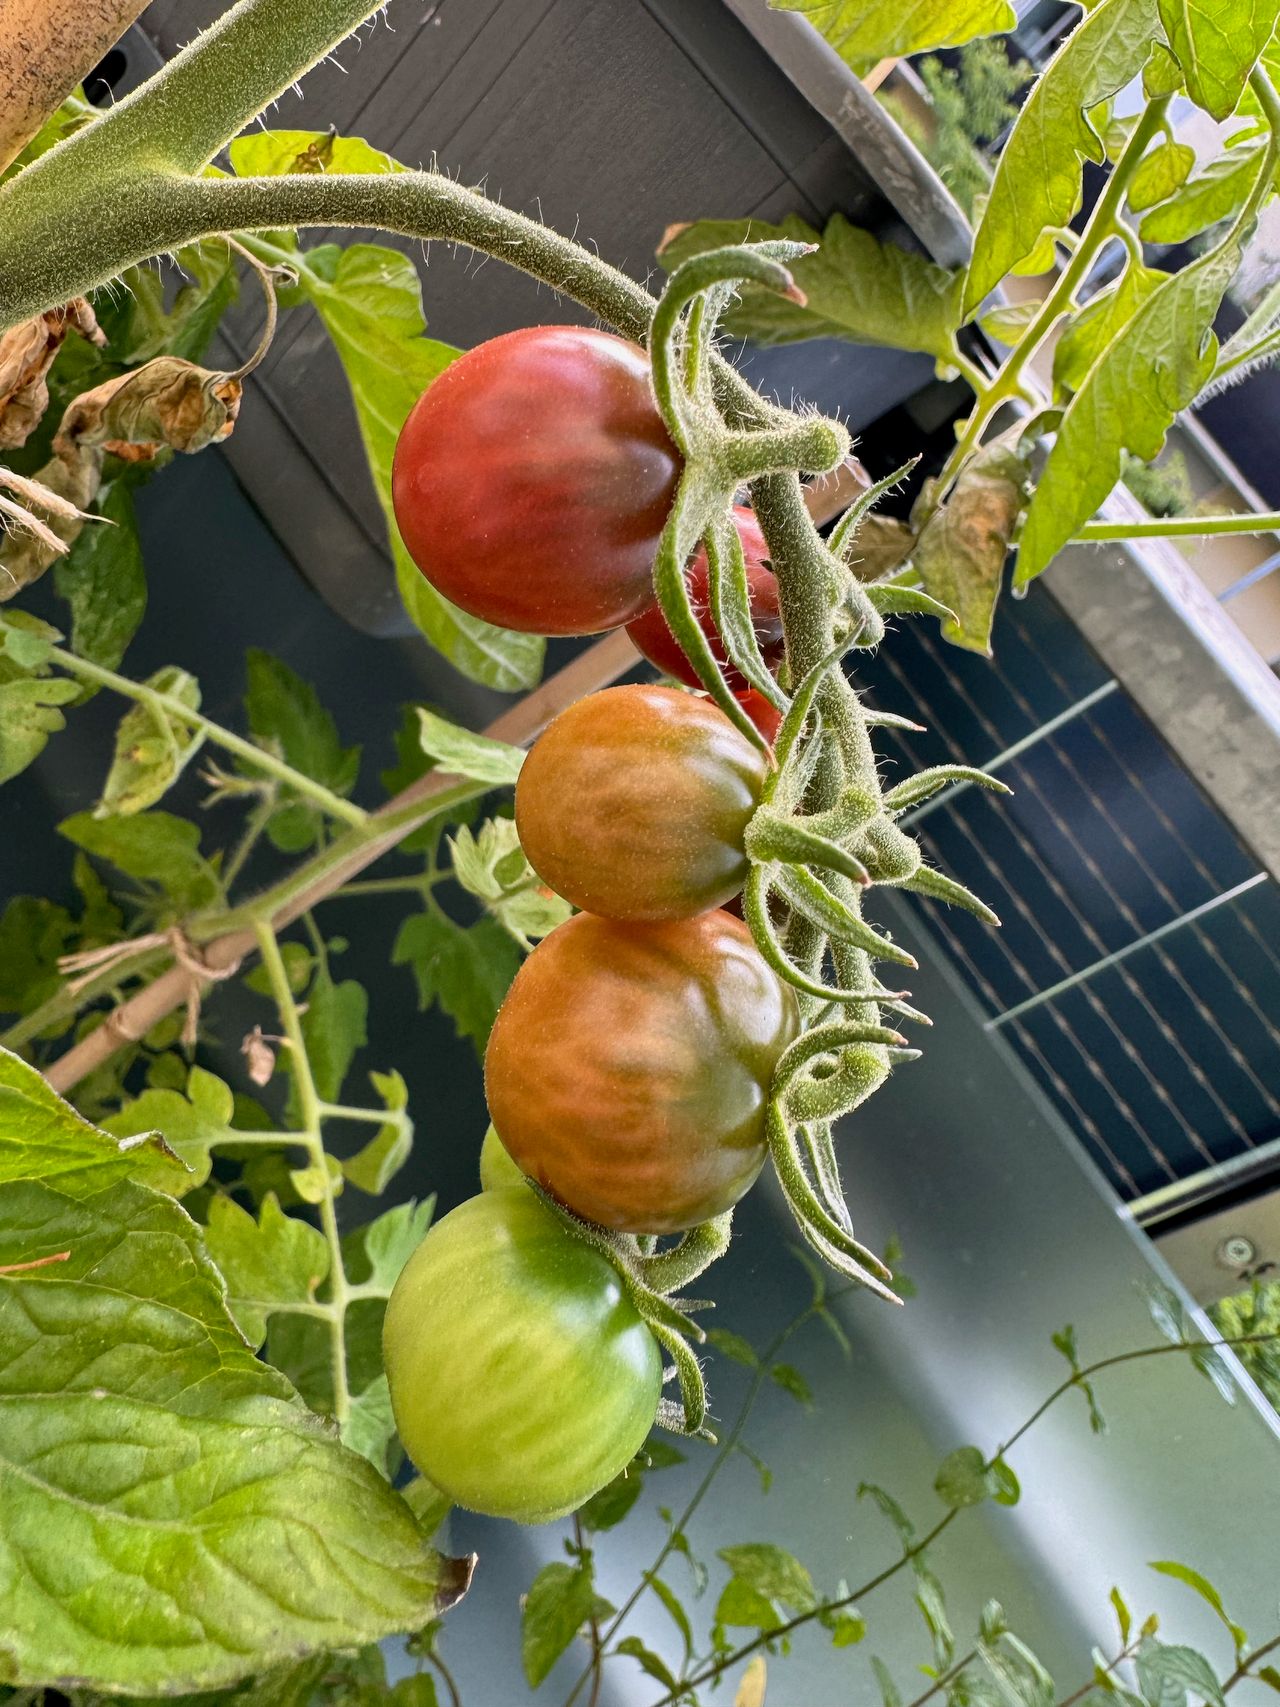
467,969
146,1450
734,1346
191,1124
371,1426
387,1243
961,551
1206,197
772,1573
863,34
103,580
28,716
1099,324
559,1603
653,1664
491,866
963,1478
1217,43
1205,1589
334,1029
465,753
376,1164
269,153
1037,181
33,934
1166,1673
154,847
1159,174
856,287
1127,401
152,747
273,1261
786,1376
607,1508
286,717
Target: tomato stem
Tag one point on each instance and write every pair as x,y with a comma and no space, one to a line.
311,1135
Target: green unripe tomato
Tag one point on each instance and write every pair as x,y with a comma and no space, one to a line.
497,1171
522,1376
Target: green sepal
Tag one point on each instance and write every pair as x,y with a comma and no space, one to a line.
693,1391
696,505
917,788
729,593
845,531
939,887
892,600
816,902
790,841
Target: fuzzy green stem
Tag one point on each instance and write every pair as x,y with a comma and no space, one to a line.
164,705
309,880
1180,527
312,1136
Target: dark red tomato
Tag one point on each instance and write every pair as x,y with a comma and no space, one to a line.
629,1068
652,636
533,479
635,801
763,713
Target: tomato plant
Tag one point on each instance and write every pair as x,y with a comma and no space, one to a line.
522,1377
629,1068
533,478
652,634
672,786
557,481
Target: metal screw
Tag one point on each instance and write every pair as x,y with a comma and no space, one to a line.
1236,1251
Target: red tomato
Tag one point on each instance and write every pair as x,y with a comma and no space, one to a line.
652,636
634,803
763,713
533,479
629,1068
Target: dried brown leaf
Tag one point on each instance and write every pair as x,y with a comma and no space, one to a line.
26,355
962,548
166,402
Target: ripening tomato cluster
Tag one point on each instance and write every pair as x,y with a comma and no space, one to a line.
629,1068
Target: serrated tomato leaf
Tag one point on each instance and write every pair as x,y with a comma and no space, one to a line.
172,1517
1037,181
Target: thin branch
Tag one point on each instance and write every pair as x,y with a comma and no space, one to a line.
781,1631
1181,527
597,1650
228,937
1126,1653
167,705
312,1135
1245,1668
944,1679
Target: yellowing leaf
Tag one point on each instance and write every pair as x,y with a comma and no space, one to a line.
152,747
752,1686
1159,174
866,31
1037,181
1130,396
267,153
1217,43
